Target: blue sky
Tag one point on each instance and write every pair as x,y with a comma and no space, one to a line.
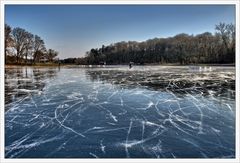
74,29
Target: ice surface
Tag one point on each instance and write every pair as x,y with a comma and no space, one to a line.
114,112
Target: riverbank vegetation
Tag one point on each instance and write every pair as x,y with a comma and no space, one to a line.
205,48
22,47
25,48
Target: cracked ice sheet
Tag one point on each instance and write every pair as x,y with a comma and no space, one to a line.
114,112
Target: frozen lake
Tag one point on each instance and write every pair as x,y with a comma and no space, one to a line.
114,112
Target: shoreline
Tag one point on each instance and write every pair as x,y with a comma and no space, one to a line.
101,66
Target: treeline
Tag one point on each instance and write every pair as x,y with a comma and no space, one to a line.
23,47
182,48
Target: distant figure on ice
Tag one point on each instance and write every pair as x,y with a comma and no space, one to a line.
130,65
59,65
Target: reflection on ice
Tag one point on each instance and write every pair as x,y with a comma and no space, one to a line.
20,82
114,112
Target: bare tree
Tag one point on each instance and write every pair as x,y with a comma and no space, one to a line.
222,30
8,40
51,54
28,46
21,41
232,33
39,48
227,33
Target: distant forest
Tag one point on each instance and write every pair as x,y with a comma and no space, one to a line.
217,48
23,47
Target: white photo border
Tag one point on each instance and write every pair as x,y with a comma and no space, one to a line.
122,2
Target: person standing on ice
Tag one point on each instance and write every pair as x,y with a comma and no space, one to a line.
130,65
